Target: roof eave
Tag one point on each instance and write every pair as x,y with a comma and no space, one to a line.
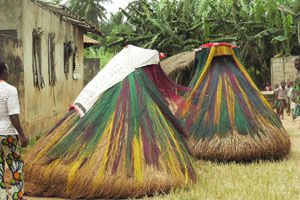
65,14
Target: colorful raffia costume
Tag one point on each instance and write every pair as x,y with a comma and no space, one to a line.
171,91
225,115
127,144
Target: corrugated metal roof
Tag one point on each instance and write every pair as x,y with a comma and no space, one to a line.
67,15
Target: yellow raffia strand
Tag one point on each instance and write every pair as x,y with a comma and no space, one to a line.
98,180
106,134
114,144
119,134
223,51
214,51
171,163
245,96
218,102
72,174
242,68
138,159
175,141
202,98
50,167
206,115
203,74
50,143
230,103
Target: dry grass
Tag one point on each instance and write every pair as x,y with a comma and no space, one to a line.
271,144
178,62
262,180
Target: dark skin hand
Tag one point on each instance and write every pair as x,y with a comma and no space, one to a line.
15,120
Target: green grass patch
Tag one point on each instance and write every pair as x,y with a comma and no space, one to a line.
261,180
104,56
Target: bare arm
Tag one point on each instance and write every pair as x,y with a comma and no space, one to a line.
15,120
276,94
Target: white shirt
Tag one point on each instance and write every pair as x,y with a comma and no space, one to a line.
290,92
282,93
9,105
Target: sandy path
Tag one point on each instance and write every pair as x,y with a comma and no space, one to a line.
293,127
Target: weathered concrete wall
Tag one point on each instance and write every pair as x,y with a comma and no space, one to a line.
40,108
91,68
43,107
283,68
11,16
11,51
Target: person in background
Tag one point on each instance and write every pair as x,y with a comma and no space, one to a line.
296,98
276,103
276,86
291,102
296,91
289,94
10,133
281,98
268,87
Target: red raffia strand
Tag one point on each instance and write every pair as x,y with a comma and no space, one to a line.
170,90
208,45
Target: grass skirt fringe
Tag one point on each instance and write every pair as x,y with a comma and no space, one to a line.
128,145
227,117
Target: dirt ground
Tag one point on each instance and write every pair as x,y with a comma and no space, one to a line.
293,128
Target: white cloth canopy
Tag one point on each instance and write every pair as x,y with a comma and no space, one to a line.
118,68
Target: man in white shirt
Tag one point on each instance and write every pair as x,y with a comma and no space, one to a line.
281,98
10,133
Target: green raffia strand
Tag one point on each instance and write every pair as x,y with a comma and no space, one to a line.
198,127
241,121
137,103
105,110
200,61
224,118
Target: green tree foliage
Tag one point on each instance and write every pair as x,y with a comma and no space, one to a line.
91,10
262,28
115,29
